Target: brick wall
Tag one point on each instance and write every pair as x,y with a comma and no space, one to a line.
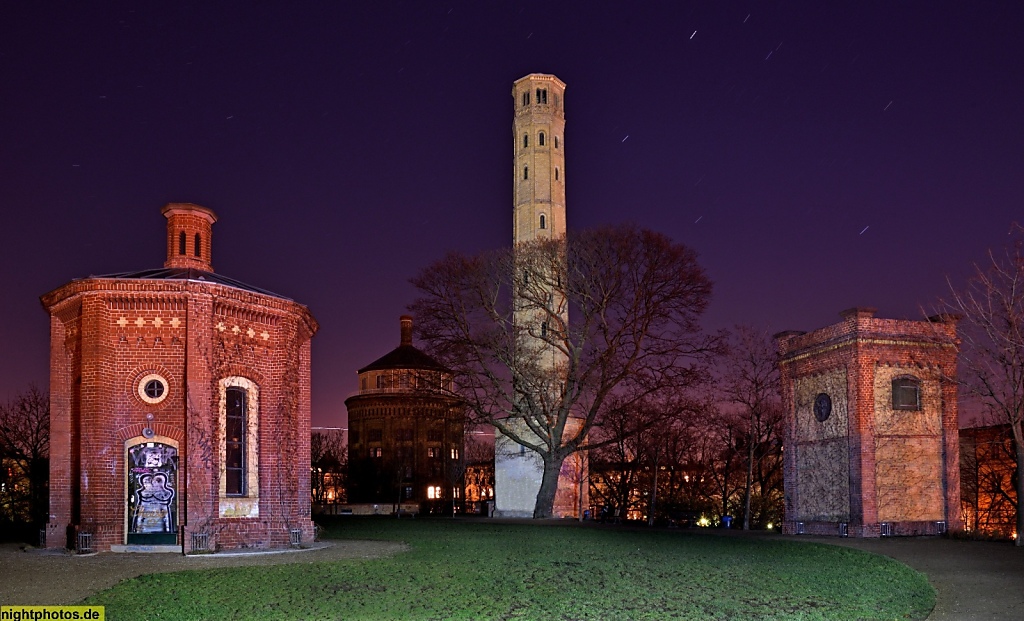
869,463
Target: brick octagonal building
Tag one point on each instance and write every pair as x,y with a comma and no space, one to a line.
179,405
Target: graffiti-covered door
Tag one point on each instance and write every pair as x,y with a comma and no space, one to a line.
152,494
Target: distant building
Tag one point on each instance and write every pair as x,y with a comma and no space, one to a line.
179,405
871,442
406,432
328,467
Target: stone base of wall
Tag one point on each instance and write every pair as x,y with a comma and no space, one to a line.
864,531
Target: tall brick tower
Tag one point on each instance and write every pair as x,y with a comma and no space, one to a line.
871,433
538,138
538,214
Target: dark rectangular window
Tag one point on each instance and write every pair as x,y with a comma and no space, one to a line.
234,442
374,435
906,394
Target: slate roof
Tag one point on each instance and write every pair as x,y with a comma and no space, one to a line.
404,357
189,273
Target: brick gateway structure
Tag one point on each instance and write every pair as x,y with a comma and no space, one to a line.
179,405
871,434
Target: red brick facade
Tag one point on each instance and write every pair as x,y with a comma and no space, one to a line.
152,465
871,436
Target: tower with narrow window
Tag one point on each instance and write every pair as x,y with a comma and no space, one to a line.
871,433
538,137
541,317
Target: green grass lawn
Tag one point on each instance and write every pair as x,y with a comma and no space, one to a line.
481,570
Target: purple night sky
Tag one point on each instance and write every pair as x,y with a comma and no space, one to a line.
817,156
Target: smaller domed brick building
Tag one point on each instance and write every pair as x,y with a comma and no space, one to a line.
406,431
179,406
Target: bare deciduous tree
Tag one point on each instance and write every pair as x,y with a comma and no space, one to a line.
992,346
24,455
635,298
751,384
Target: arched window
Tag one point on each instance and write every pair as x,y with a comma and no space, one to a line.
526,140
540,139
543,221
906,393
556,142
238,431
198,246
181,242
526,172
235,433
556,173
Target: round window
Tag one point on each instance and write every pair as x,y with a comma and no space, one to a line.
152,388
822,407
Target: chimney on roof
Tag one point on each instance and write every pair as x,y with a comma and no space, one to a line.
189,233
406,321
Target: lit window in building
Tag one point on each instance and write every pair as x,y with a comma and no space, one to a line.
376,452
455,453
434,492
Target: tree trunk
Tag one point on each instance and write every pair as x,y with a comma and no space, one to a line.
544,508
1018,444
654,497
747,492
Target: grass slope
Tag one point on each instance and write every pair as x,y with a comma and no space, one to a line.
480,570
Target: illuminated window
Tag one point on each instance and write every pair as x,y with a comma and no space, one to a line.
434,492
540,139
906,393
376,452
181,242
433,452
408,492
455,453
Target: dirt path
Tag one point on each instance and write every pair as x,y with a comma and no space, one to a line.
45,577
